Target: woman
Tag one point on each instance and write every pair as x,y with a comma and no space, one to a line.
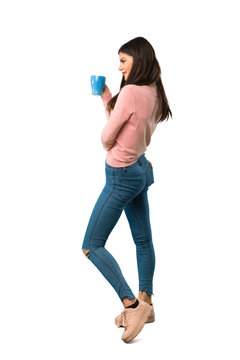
133,115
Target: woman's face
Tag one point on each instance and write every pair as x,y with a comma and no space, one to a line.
126,62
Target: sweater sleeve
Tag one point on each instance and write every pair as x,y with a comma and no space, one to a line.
105,100
123,110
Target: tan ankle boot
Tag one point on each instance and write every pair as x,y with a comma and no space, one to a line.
150,319
134,320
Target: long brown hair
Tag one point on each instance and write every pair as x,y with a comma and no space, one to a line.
145,71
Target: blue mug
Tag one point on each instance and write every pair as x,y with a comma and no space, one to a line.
97,83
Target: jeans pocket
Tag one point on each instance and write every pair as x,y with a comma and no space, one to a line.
150,164
152,176
149,177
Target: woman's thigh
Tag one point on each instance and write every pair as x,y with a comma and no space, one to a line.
120,188
137,213
104,217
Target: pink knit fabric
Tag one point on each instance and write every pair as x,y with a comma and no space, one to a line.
130,124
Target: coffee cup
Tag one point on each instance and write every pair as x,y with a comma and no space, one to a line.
97,83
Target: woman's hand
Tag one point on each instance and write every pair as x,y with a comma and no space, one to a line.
106,90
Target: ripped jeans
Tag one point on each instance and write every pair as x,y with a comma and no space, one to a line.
125,189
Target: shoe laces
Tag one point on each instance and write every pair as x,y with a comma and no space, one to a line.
126,314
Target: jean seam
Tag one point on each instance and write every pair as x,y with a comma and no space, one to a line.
90,246
139,220
115,273
90,236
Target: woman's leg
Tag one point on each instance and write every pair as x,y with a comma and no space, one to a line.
137,212
104,217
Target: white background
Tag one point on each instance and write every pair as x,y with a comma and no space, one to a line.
54,303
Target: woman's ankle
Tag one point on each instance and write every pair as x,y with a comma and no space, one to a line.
143,295
127,302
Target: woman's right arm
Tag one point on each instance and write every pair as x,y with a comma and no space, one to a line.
106,91
106,96
123,110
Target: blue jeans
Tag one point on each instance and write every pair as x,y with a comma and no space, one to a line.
125,189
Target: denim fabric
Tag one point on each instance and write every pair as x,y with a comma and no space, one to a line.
125,189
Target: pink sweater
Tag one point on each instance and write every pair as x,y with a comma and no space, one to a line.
130,124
